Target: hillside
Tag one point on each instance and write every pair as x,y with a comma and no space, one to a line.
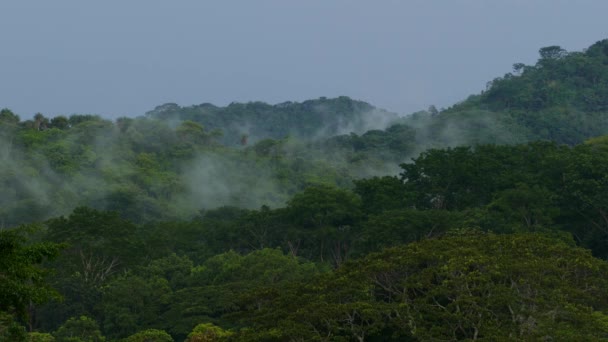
309,120
563,97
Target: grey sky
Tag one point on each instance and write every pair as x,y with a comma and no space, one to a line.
125,57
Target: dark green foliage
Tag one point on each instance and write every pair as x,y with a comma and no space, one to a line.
23,282
186,272
380,194
100,246
97,234
10,328
460,287
464,177
129,303
217,285
79,329
396,227
320,206
150,335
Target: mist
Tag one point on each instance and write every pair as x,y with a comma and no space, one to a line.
177,161
213,180
155,169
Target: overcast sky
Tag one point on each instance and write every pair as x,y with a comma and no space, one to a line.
123,58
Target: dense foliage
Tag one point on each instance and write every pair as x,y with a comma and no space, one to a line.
303,221
562,98
242,122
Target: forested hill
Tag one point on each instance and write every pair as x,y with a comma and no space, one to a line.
563,97
177,160
559,79
312,119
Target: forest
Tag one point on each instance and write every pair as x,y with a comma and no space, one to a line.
325,220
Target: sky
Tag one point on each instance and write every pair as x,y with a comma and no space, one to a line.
123,58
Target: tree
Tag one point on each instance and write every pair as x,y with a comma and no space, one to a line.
518,68
192,133
552,52
328,217
479,286
40,337
130,303
380,194
150,335
8,117
397,227
79,329
323,205
23,278
464,286
101,244
585,181
60,122
8,131
10,328
208,332
523,208
40,122
226,281
77,119
445,179
100,241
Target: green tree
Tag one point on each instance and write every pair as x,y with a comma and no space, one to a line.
7,116
328,217
585,180
224,282
10,328
552,52
380,194
465,286
397,227
79,329
40,337
40,122
101,245
130,303
101,241
60,122
208,332
150,335
23,282
492,286
523,208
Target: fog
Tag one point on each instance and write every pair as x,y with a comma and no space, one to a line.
146,167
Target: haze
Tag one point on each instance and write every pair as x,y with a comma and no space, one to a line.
119,58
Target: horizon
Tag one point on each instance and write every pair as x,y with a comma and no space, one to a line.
71,58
